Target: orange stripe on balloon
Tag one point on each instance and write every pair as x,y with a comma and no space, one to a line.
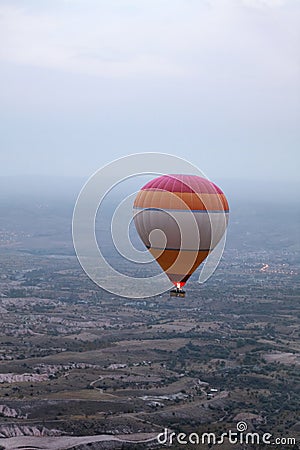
177,200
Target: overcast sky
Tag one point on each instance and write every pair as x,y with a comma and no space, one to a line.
214,81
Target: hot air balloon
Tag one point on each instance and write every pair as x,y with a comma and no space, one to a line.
180,219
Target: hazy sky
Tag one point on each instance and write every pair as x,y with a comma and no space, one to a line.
214,81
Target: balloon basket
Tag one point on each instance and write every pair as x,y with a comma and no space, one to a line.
177,293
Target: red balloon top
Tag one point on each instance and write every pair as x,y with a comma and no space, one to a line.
183,183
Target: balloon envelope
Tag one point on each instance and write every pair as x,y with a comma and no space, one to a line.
180,219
